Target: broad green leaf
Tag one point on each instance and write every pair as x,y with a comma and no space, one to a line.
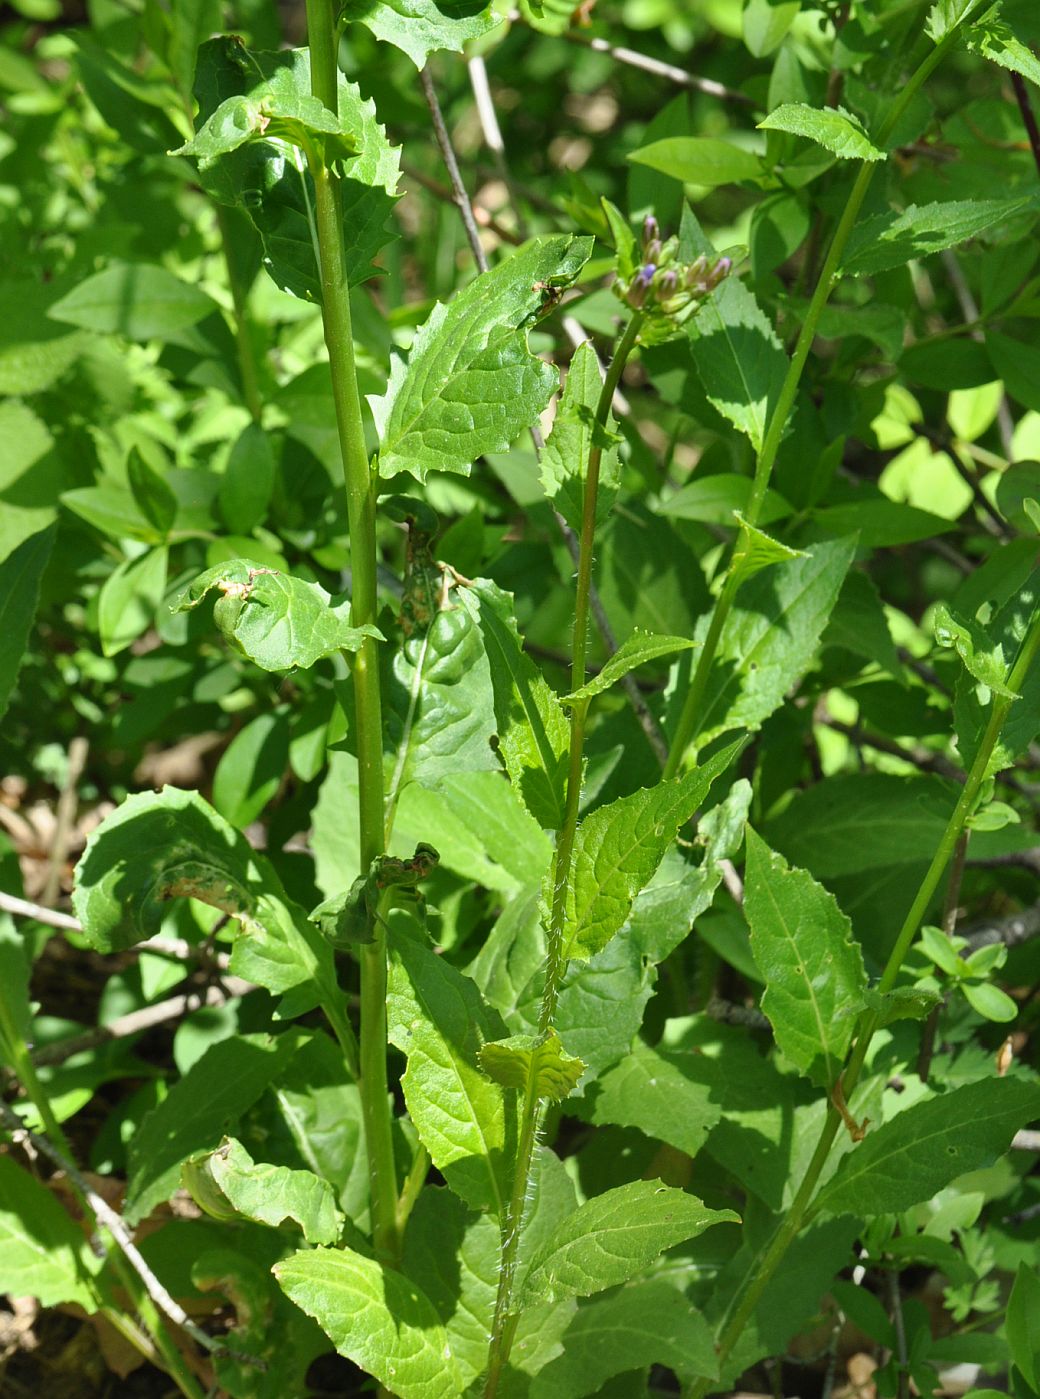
645,1323
813,969
248,480
613,1237
837,130
155,500
421,27
947,15
252,768
514,1061
890,240
195,1115
700,160
714,499
565,458
226,1182
858,623
973,703
274,186
129,600
982,659
135,299
172,844
756,550
439,709
376,1317
917,1153
20,577
44,1253
533,733
739,359
1018,486
671,1095
637,650
192,22
770,637
619,847
765,24
471,384
1023,1325
278,621
990,1001
995,39
438,1018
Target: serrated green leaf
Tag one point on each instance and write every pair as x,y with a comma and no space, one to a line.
947,15
618,848
923,1148
437,1017
376,1317
20,576
902,1003
756,550
837,130
226,1182
470,384
700,160
421,27
890,240
43,1251
812,968
612,1238
195,1115
273,184
670,1095
738,357
278,621
514,1061
533,733
135,299
982,658
994,38
637,650
565,458
770,637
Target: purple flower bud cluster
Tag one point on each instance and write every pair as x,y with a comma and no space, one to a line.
663,286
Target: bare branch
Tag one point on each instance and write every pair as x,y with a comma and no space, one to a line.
22,908
461,198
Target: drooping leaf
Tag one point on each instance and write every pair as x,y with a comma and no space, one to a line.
278,621
135,299
700,160
565,458
533,733
375,1316
470,384
438,1018
226,1182
771,636
917,1153
637,650
43,1251
837,130
422,27
670,1095
612,1237
514,1061
738,357
196,1114
982,659
813,969
20,577
890,240
618,848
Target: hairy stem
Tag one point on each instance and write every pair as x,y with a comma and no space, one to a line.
689,719
764,1267
361,487
504,1324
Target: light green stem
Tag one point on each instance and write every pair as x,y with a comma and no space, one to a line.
766,1265
361,488
690,717
505,1320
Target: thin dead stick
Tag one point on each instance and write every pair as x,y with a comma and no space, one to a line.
1025,106
106,1216
492,132
460,195
1016,928
65,818
647,64
135,1022
970,311
22,908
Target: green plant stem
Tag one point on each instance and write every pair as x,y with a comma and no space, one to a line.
766,1265
689,718
361,488
505,1321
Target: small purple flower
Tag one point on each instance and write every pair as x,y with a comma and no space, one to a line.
645,275
651,232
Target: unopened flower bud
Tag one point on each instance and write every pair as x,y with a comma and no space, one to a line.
720,271
667,283
652,251
651,232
